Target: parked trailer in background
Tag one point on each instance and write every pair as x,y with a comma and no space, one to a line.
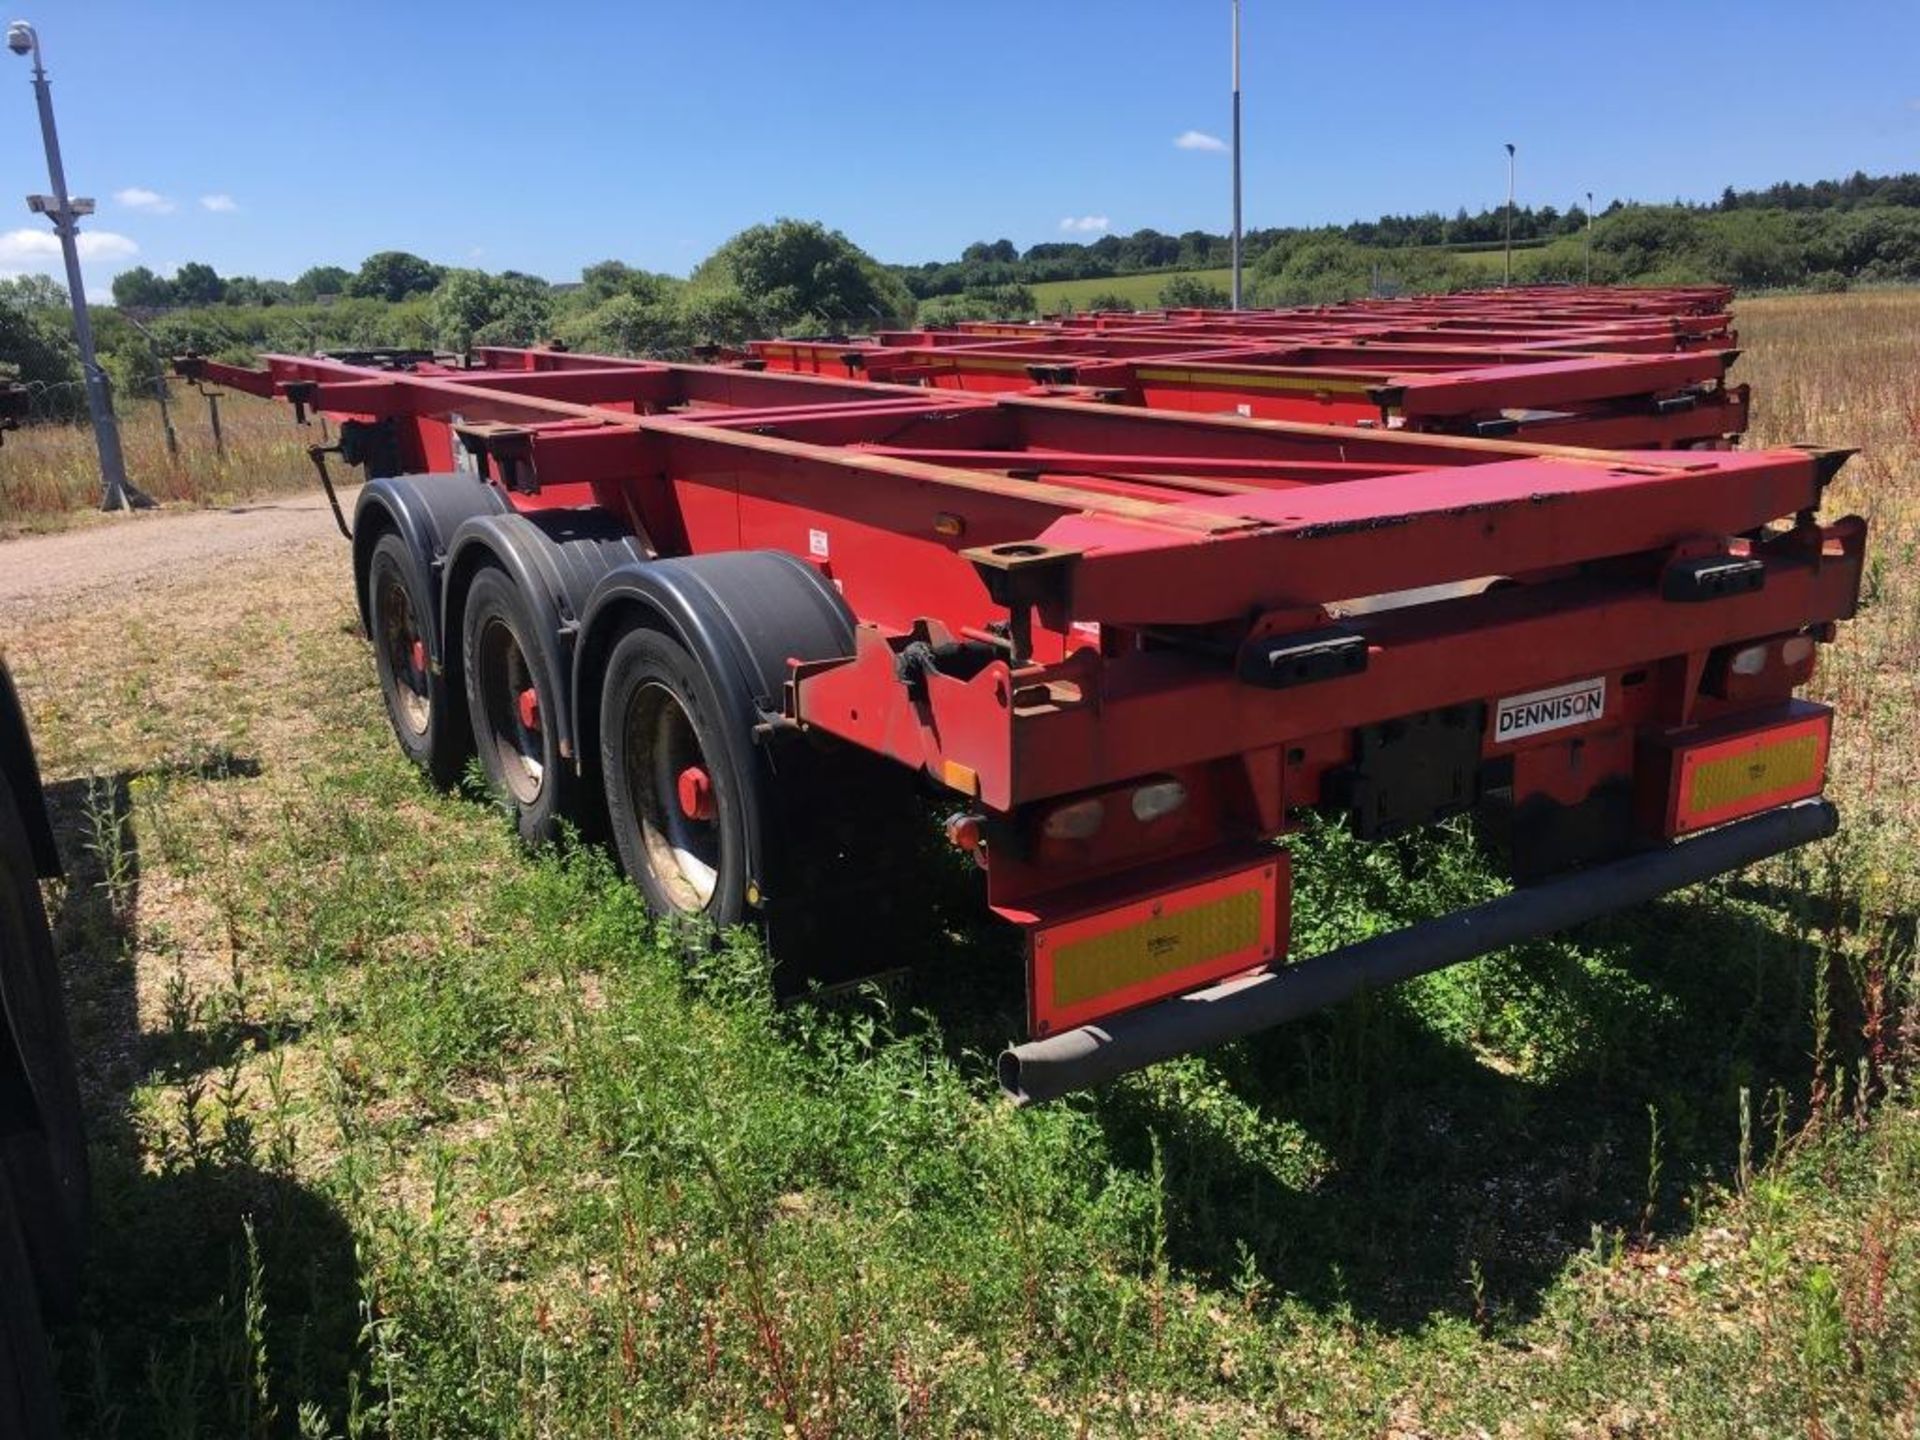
1128,646
1593,375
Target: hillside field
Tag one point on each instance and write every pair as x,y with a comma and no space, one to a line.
1144,288
401,1131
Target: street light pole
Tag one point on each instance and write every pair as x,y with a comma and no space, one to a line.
1509,250
1589,237
1236,154
116,494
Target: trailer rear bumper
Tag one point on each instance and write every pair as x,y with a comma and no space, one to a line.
1046,1069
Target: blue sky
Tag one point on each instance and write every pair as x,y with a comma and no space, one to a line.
265,137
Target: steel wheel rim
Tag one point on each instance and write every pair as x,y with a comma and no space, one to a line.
504,676
405,650
681,853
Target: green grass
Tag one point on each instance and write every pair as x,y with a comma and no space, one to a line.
418,1135
401,1131
1143,290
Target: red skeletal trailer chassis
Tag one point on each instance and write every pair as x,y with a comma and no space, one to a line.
1610,401
1573,368
1129,646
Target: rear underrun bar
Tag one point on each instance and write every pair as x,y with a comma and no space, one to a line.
1043,1070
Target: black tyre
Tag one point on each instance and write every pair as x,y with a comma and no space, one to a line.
682,799
511,700
428,715
46,1160
29,1402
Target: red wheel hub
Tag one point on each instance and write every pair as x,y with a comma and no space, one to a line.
695,788
417,657
527,702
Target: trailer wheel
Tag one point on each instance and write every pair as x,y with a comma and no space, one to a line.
509,697
674,772
426,712
29,1401
45,1164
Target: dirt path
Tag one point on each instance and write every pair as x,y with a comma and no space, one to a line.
132,552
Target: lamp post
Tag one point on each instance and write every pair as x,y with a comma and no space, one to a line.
1589,237
1236,154
65,213
1509,248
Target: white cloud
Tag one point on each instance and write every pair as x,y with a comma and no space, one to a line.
219,204
26,250
1085,224
1198,140
103,254
138,197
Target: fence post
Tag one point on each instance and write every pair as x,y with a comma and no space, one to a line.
213,414
166,415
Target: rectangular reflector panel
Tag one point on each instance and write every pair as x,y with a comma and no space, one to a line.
1741,774
1109,960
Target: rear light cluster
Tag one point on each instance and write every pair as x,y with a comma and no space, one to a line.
1769,669
1083,819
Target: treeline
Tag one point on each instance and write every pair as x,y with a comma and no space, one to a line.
987,265
799,277
788,277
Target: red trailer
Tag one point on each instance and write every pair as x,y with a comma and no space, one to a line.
1561,367
1672,400
1128,646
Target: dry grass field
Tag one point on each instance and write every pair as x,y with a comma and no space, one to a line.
50,475
401,1131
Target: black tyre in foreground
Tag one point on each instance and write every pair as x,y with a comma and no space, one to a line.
43,1159
29,1402
428,715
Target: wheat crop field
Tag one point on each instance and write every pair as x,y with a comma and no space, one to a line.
399,1130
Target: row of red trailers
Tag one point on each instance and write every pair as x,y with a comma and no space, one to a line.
1129,645
1572,367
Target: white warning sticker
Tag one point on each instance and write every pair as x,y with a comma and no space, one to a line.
817,544
1541,710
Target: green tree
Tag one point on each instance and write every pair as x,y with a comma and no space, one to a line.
321,280
602,281
629,325
1190,292
394,275
799,275
141,289
719,315
504,309
996,302
36,337
197,284
246,290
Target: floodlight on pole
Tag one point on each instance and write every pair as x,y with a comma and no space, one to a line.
1509,248
116,494
1589,237
1236,154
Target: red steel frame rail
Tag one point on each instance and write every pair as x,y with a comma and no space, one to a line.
1241,613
